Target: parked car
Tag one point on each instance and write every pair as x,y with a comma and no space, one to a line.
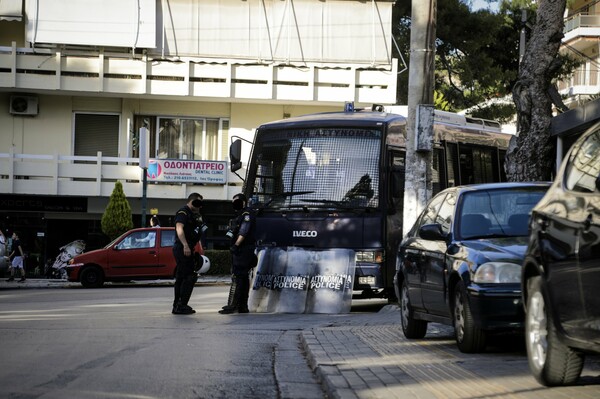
460,264
561,270
139,254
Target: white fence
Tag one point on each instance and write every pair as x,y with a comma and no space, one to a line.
581,21
91,176
21,69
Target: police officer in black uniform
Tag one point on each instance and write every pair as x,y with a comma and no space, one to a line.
243,257
186,237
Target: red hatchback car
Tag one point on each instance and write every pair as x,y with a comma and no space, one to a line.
139,254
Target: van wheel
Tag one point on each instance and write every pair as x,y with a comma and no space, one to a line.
92,277
550,361
411,327
469,338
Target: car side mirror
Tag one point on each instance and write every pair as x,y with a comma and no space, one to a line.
432,232
598,183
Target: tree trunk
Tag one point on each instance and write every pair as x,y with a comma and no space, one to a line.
530,156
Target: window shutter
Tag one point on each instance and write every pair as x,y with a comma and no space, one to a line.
96,132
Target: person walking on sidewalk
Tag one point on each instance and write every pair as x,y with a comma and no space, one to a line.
3,247
2,241
17,256
243,257
186,238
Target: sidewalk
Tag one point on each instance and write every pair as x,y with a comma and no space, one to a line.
58,283
372,359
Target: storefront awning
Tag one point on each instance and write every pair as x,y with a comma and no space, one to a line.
11,10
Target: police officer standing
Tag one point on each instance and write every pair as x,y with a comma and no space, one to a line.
243,257
186,237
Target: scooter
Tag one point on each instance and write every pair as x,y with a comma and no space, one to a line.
67,252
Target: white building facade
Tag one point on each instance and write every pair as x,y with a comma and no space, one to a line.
80,78
581,42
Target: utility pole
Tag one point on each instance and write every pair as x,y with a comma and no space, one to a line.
417,186
523,35
144,160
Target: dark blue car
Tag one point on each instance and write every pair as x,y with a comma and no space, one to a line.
460,264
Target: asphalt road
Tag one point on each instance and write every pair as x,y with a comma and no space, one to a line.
123,342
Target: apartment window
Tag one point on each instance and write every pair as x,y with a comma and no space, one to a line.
183,138
96,132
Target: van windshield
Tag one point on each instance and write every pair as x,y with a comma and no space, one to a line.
317,168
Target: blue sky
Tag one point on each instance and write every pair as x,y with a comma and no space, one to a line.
477,4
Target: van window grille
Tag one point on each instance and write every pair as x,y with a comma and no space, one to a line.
318,168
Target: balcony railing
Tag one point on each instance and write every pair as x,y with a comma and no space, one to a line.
581,21
234,80
585,80
93,176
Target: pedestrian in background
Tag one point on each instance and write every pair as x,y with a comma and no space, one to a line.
243,257
2,242
186,237
149,240
3,247
154,222
18,257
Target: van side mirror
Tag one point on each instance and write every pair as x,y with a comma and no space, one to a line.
235,155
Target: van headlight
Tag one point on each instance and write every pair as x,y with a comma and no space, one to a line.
498,272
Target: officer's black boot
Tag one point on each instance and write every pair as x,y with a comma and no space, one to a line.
231,305
187,286
244,288
234,297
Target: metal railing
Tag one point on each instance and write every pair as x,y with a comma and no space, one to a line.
581,21
194,77
586,76
93,176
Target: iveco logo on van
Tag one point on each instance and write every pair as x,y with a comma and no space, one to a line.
304,233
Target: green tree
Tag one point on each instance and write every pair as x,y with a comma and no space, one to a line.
477,54
117,217
440,102
477,67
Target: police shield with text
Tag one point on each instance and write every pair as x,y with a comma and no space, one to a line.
242,234
187,236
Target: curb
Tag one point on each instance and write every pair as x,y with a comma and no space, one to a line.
328,374
322,376
31,283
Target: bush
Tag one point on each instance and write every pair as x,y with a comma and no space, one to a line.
116,219
220,262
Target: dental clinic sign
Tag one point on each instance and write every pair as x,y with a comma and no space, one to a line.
187,171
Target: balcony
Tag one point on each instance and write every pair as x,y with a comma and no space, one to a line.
94,176
580,26
584,81
203,79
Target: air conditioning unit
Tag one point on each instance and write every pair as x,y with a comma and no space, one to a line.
23,105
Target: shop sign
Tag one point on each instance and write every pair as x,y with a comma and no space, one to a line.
187,171
42,203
